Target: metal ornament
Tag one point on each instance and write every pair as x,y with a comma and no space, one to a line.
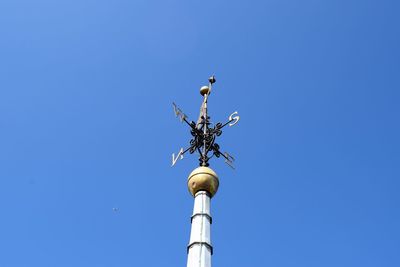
204,132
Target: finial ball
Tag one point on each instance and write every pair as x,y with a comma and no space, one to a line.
203,179
204,90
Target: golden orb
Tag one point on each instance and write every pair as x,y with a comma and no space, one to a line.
204,90
203,178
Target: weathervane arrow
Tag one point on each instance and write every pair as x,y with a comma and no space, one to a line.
204,132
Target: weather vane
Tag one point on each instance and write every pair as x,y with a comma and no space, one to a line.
204,132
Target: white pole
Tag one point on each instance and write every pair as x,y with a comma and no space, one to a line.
199,248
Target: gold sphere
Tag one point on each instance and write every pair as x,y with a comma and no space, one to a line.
203,178
204,90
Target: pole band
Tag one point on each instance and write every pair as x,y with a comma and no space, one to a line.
200,243
201,214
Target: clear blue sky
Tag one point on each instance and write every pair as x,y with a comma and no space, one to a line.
87,125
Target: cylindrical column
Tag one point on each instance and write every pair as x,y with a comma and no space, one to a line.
203,185
199,248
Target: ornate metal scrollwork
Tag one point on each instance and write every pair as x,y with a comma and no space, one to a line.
204,132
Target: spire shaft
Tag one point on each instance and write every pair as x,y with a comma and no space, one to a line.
199,248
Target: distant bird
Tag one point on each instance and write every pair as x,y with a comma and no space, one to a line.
115,209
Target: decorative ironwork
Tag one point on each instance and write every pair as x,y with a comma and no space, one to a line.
204,132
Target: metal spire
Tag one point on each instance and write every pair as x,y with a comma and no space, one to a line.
203,182
204,132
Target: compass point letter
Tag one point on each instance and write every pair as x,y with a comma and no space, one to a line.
234,118
178,112
179,156
229,160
